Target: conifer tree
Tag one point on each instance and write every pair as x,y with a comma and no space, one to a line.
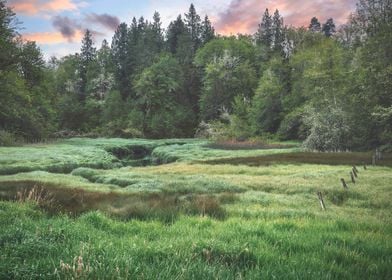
157,32
175,31
329,28
193,24
120,59
87,56
314,25
264,33
278,33
207,31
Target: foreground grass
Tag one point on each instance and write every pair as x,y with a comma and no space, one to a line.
232,219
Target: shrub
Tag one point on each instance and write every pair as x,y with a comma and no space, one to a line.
7,139
292,126
329,129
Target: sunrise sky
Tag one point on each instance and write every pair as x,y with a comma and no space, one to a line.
58,25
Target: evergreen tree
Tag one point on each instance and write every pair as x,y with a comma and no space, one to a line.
87,56
278,32
207,31
103,82
175,32
157,32
104,58
264,33
193,24
120,59
314,25
31,62
329,28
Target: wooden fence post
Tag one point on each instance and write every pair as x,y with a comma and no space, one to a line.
374,160
320,197
355,173
352,177
344,183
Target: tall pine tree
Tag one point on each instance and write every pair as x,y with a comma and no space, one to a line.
264,35
120,59
207,31
193,24
87,56
329,28
278,32
314,25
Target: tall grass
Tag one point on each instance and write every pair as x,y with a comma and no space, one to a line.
237,218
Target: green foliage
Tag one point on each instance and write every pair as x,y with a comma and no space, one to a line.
225,79
135,89
218,48
293,126
329,129
158,94
266,107
7,139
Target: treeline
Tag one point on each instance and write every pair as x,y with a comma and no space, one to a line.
328,86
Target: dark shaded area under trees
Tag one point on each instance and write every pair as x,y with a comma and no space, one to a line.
328,85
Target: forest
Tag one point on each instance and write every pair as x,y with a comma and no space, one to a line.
326,85
180,153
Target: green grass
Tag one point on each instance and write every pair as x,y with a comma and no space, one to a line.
102,153
247,214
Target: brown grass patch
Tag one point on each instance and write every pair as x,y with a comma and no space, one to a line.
161,206
305,157
246,145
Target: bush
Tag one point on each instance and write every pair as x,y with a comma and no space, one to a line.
292,127
7,139
329,129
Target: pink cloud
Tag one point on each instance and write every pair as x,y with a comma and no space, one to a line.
243,16
33,7
50,38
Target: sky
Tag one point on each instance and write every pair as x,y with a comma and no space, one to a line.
58,25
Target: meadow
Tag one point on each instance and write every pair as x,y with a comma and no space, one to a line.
190,209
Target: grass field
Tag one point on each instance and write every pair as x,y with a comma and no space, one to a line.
187,209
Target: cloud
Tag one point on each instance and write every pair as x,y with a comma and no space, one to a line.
50,38
71,28
108,21
34,7
243,16
67,27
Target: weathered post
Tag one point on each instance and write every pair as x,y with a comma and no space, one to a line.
364,167
352,177
320,197
374,160
355,173
344,183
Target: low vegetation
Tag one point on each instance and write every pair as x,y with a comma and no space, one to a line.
230,216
